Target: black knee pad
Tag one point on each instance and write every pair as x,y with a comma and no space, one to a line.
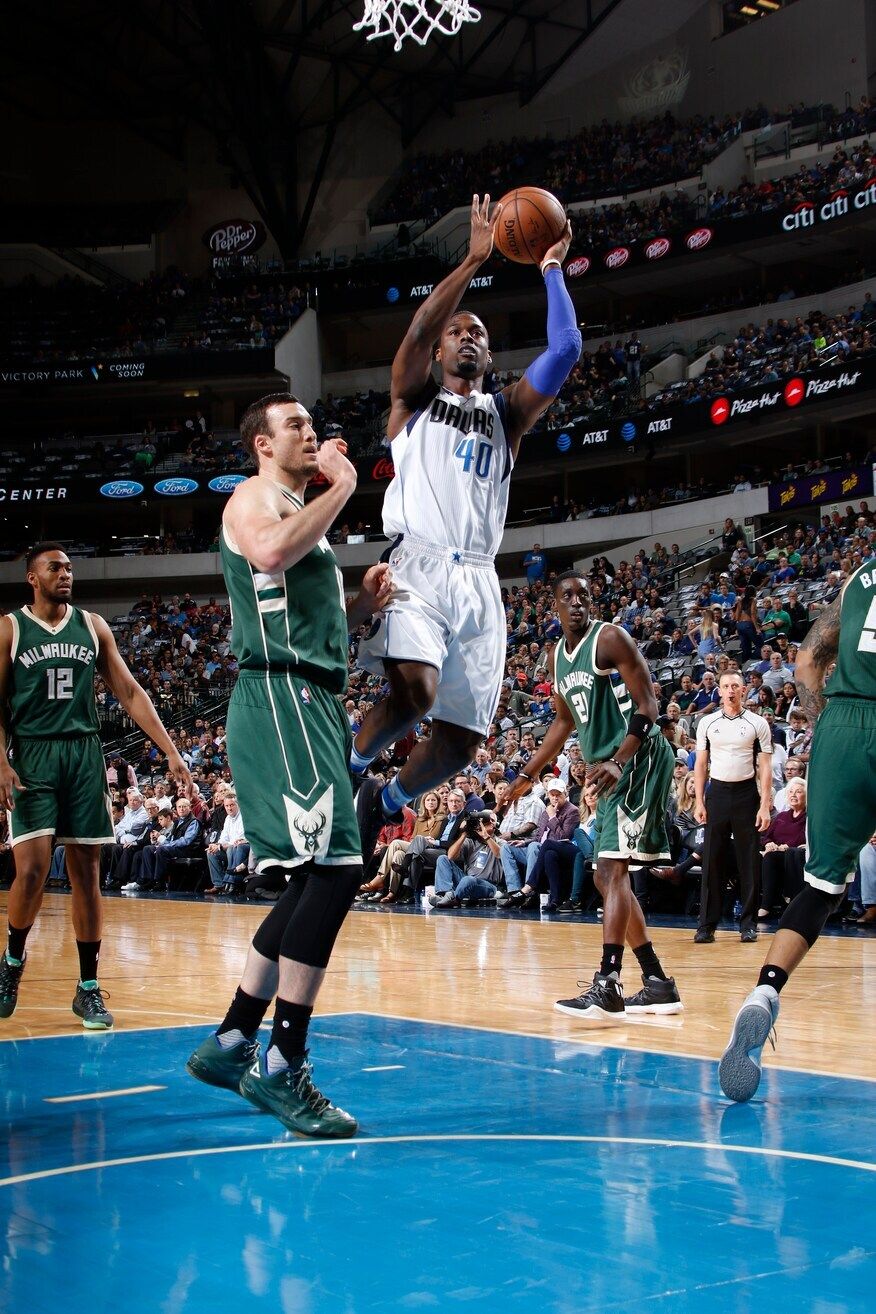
269,936
808,911
318,913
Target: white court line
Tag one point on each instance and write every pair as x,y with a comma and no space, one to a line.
598,1040
149,1012
387,1067
303,1143
99,1094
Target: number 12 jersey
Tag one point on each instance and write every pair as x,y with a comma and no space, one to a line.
51,694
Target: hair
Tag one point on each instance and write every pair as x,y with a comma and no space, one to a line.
255,418
37,551
728,674
422,813
570,574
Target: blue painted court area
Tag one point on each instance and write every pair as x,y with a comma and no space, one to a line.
493,1172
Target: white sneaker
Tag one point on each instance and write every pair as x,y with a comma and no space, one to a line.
739,1069
131,885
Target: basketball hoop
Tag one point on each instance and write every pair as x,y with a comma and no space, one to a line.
417,19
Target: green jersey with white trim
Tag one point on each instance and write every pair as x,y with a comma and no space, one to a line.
855,672
292,620
601,708
51,693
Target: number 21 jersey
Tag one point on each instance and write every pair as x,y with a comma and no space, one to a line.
452,469
601,708
51,693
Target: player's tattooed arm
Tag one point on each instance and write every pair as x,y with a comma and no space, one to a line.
816,653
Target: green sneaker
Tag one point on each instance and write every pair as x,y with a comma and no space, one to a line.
88,1004
216,1066
10,976
292,1097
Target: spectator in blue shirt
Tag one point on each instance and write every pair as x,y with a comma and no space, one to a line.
706,699
535,564
784,574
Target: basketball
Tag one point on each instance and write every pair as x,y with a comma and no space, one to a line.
531,221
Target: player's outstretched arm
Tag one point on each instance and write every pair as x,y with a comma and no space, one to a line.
550,747
273,542
530,396
8,778
412,365
137,703
616,650
814,656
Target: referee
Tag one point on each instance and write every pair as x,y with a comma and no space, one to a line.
730,744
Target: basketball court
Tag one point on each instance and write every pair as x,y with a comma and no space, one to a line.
507,1157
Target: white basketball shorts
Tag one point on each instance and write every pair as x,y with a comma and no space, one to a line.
447,613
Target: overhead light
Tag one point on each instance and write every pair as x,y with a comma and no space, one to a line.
192,392
769,4
749,12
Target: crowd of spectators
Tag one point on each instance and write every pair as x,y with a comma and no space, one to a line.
250,317
604,159
774,351
464,838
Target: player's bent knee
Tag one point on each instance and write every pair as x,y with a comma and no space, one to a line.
319,913
412,687
808,911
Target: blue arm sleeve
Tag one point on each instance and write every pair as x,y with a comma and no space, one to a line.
549,371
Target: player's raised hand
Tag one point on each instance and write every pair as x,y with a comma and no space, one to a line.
520,786
333,462
8,782
483,226
377,592
560,249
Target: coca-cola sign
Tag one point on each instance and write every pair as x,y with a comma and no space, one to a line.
383,469
235,237
658,248
618,257
575,268
699,238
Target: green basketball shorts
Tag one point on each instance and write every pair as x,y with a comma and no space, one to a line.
289,748
840,792
65,792
631,820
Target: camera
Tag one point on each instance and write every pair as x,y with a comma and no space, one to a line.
472,825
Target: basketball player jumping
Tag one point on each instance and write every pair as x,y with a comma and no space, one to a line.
55,784
441,642
843,746
288,745
630,763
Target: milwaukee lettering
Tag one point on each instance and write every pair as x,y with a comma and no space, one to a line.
48,652
464,421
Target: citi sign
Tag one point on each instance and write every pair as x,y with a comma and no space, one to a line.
807,214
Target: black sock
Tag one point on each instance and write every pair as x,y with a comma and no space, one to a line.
245,1014
89,952
15,941
773,976
649,962
290,1028
612,957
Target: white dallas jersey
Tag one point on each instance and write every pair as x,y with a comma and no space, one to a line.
452,470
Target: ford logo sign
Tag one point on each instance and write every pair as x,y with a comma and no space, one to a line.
226,483
176,487
122,488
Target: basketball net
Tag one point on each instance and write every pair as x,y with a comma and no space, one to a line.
417,19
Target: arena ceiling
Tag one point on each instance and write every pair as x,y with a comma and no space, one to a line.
259,73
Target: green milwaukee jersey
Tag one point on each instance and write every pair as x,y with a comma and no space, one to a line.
855,673
293,620
601,708
51,694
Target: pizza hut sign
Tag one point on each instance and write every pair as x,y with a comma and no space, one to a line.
235,237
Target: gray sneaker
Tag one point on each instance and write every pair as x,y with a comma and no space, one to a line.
88,1004
739,1069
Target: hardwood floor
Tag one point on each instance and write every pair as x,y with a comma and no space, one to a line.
168,963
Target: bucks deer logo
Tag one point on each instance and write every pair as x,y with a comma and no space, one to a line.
310,828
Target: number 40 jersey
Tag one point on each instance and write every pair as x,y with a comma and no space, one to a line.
452,468
51,692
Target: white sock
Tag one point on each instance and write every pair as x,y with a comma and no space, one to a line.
228,1039
358,762
274,1061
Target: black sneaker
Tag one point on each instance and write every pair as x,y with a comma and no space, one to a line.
511,899
570,906
10,977
218,1066
656,996
704,936
292,1097
88,1004
602,1001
